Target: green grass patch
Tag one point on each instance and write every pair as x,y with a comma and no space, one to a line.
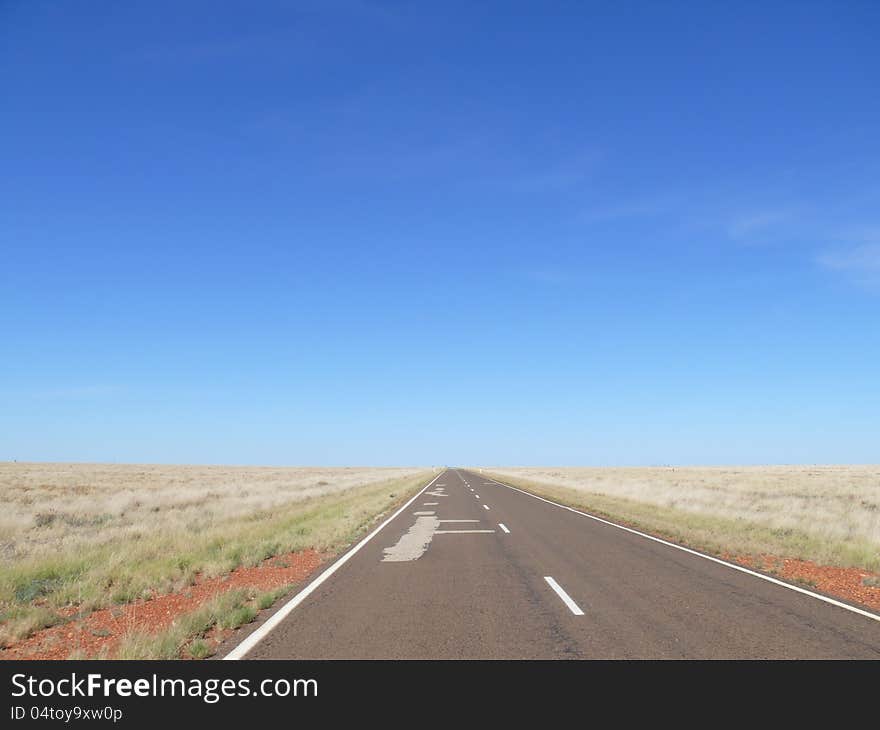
199,649
237,617
268,599
185,637
169,644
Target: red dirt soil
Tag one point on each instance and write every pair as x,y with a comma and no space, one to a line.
101,631
843,583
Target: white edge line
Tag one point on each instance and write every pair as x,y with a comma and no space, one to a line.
741,569
566,599
503,527
276,618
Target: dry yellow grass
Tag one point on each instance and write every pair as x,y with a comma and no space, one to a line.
91,535
45,508
830,514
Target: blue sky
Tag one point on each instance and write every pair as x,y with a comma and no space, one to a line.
339,232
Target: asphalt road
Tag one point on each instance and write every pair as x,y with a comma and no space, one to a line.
475,569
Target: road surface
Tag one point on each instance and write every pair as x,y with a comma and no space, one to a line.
475,569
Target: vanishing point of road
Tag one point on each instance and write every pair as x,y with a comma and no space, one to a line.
475,569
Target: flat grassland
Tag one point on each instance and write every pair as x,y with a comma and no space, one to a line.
826,514
87,536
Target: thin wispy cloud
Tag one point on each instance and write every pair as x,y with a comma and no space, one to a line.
861,263
733,211
759,224
856,257
716,214
799,224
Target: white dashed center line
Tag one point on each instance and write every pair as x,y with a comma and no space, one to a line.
566,599
502,526
485,506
